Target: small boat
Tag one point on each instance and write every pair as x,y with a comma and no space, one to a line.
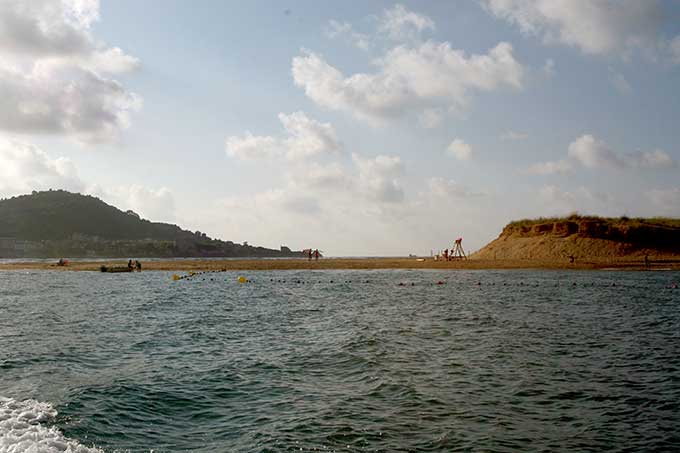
116,269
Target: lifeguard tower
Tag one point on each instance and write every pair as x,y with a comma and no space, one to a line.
457,252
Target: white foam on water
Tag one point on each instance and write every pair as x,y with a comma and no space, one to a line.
22,429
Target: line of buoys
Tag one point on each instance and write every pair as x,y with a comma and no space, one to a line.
243,279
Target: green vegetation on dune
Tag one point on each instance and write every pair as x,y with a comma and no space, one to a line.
630,221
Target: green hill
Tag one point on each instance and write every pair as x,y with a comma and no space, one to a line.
56,223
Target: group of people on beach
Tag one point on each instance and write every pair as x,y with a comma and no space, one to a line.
311,253
445,255
137,265
456,252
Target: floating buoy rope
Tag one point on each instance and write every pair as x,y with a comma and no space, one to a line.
243,279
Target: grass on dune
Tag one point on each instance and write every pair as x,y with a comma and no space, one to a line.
575,217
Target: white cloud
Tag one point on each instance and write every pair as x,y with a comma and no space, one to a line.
431,75
378,177
431,118
157,205
345,30
549,168
459,149
251,147
399,23
25,167
64,100
589,152
308,137
320,177
652,159
514,135
557,201
554,194
51,72
593,153
305,138
448,188
112,60
594,27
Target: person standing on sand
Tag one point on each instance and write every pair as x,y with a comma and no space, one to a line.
309,254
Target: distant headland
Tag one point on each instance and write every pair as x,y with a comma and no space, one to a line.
57,223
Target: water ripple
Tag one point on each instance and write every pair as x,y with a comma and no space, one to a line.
346,360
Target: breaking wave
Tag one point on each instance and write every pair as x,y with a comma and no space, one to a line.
24,427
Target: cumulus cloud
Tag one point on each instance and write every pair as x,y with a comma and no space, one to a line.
308,137
429,76
251,147
594,27
593,153
652,159
346,31
154,204
554,194
378,177
589,152
320,177
304,138
448,188
459,149
25,167
549,168
52,72
399,23
431,118
558,201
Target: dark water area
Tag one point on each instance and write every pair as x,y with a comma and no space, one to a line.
340,361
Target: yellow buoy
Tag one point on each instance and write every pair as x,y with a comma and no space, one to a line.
175,277
242,279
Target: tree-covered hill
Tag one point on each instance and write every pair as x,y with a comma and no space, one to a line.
58,214
57,222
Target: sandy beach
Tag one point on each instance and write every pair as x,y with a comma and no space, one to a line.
197,264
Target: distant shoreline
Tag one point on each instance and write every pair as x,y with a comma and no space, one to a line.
198,264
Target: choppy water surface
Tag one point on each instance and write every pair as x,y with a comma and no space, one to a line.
340,361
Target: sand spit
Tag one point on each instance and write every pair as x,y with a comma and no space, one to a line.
191,264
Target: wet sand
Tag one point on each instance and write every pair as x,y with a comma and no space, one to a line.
197,264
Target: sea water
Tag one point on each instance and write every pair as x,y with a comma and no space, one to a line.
340,361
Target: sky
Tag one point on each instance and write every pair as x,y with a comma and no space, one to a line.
359,128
